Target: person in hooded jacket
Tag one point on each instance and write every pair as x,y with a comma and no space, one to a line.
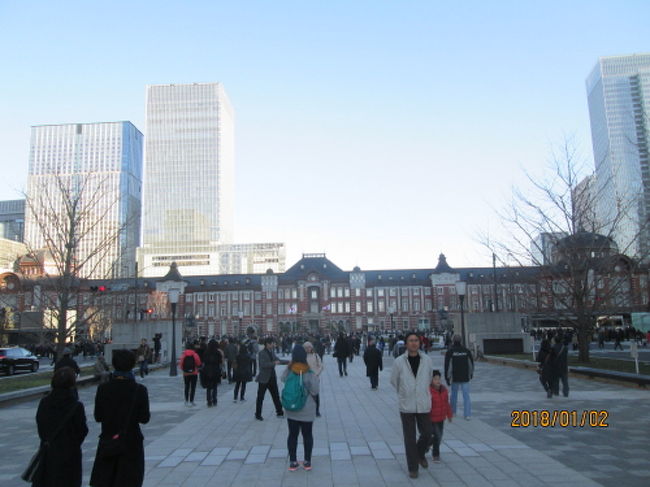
302,420
190,377
62,464
316,366
121,405
211,371
440,410
545,367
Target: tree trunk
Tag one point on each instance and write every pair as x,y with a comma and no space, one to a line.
584,341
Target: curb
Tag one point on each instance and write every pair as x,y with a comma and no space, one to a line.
573,372
23,395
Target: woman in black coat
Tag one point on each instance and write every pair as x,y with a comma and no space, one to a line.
243,372
211,372
62,464
116,402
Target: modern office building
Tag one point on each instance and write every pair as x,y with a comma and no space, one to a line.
618,92
100,166
253,258
12,220
543,247
189,180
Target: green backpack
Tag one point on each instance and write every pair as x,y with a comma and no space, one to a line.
294,395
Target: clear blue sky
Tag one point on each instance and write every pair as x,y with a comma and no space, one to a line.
379,132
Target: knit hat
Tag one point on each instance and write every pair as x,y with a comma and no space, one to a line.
308,345
299,355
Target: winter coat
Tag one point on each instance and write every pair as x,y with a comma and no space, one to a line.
459,364
62,466
243,371
342,348
312,384
545,359
373,360
266,365
315,363
231,352
197,362
560,356
113,401
67,361
412,391
211,370
440,407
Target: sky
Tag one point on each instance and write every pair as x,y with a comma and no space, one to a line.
381,133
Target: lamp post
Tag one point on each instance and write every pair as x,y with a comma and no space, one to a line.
391,310
241,317
173,295
461,289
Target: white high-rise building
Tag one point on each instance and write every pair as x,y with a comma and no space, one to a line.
189,178
618,91
100,166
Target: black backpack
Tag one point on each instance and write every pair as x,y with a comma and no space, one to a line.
189,364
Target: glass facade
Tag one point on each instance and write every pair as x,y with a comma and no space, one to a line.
618,92
102,164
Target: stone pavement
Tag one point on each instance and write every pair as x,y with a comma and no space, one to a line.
358,441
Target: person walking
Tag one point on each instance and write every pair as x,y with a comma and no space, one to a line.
121,405
341,352
315,362
211,371
230,350
190,363
440,410
374,363
459,370
300,420
102,372
67,361
144,357
61,424
411,376
267,379
242,372
560,367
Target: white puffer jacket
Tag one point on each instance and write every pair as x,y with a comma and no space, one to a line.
413,392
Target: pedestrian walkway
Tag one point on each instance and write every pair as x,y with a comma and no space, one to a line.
358,440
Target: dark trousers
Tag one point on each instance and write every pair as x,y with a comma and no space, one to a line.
272,386
211,393
241,384
436,437
555,383
254,367
296,427
415,450
374,380
190,386
144,368
229,367
317,400
343,365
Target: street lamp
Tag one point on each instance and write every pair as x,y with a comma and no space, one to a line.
461,289
391,310
173,295
241,317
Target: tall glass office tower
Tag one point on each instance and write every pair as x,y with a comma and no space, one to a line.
618,91
100,166
189,180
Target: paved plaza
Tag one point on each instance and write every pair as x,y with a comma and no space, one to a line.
358,440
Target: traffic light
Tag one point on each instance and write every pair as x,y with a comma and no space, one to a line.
99,288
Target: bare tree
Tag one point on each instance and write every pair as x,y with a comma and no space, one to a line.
76,229
577,249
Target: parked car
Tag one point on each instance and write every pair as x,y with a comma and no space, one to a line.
17,358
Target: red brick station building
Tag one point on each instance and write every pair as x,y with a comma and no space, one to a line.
315,295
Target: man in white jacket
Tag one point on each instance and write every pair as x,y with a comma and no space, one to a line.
411,376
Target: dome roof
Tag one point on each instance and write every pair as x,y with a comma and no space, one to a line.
586,240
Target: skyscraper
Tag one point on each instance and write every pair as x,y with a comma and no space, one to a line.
189,180
99,165
618,92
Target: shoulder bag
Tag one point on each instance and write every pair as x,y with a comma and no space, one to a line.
115,445
30,473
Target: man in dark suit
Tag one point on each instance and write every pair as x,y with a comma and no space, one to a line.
373,360
267,379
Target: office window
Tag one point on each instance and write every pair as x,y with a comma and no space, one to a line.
347,292
369,306
357,292
347,306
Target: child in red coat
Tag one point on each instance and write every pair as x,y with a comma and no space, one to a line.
440,409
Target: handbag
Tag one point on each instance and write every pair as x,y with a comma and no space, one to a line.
115,446
38,459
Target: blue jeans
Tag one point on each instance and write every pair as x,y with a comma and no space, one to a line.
467,404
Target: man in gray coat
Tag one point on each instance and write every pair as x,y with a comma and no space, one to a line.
411,376
267,379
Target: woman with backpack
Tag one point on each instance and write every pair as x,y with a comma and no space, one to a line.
300,387
242,372
189,363
211,371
